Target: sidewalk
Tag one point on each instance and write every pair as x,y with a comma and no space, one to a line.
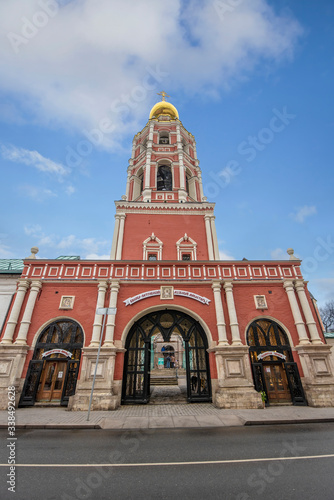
164,416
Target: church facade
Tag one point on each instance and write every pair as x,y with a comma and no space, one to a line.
238,330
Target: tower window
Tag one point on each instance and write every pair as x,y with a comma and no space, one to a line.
152,256
164,138
186,256
164,178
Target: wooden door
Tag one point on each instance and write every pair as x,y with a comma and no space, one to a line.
52,381
276,384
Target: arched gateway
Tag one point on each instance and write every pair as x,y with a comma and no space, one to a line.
137,362
53,371
274,369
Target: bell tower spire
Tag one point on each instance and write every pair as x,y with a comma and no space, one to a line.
164,178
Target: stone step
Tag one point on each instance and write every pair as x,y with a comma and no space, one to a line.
163,381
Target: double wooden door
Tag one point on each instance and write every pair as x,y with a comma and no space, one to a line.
276,383
52,381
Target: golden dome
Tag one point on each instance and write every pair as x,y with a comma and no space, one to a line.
164,108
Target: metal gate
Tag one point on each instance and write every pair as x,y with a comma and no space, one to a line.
136,376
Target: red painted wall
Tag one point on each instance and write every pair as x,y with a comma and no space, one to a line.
169,228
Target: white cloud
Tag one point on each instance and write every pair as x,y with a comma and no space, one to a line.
225,256
95,256
70,190
303,212
114,55
71,244
32,229
279,254
323,289
36,193
5,252
32,158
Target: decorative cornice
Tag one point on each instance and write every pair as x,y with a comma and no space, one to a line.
150,207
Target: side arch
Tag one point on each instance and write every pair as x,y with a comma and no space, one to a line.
53,370
274,371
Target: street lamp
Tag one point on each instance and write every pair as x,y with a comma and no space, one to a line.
103,311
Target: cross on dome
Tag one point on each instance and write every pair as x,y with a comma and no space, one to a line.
163,95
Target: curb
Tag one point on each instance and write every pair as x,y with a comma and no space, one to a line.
99,426
54,426
294,421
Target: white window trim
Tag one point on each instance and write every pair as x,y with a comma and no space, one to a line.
186,245
152,244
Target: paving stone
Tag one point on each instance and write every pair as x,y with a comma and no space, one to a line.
135,423
189,421
209,421
107,423
162,422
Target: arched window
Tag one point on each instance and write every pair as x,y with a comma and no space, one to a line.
164,178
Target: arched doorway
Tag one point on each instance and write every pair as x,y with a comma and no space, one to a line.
274,370
53,371
137,362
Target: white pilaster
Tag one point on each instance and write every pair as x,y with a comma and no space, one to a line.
311,324
178,136
200,182
300,325
214,238
221,325
109,339
209,236
15,312
195,150
26,320
102,287
133,148
120,237
236,340
127,190
114,239
181,170
148,169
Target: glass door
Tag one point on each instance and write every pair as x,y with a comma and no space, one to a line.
52,381
277,384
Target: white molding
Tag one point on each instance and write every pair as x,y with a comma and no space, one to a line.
183,246
152,244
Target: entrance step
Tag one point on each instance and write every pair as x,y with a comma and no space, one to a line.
163,381
163,372
168,395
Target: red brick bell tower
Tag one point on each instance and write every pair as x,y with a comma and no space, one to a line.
164,214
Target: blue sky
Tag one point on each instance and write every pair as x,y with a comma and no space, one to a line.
252,80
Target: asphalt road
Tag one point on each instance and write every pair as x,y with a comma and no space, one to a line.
239,463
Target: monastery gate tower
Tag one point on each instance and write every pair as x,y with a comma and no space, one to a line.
228,329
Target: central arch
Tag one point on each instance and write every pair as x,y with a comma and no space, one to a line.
137,362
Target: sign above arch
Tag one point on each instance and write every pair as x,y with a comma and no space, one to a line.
152,293
271,353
